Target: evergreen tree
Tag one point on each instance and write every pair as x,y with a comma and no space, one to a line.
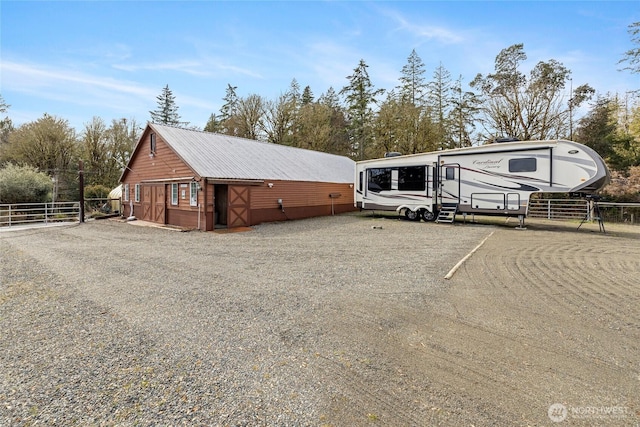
632,56
307,96
412,87
213,124
440,104
228,112
359,96
167,111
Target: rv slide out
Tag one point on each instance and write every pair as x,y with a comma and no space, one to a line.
492,179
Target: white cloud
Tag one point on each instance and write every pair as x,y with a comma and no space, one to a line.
28,77
424,31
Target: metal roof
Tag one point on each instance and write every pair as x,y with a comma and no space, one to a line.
213,155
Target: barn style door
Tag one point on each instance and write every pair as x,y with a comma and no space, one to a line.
153,203
159,204
238,208
147,203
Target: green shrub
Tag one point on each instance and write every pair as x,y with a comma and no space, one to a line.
24,184
96,192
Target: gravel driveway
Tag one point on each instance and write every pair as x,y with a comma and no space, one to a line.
342,321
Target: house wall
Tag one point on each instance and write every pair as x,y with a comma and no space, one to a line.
299,199
163,165
164,168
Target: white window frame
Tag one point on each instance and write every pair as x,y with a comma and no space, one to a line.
137,195
126,192
193,194
174,193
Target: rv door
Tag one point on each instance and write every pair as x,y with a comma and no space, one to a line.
449,188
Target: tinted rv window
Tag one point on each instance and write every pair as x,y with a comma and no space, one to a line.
379,180
450,173
527,164
411,178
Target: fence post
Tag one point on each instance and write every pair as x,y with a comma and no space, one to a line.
9,215
46,213
81,188
548,209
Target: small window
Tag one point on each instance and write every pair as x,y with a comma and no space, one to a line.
137,195
527,164
126,192
152,143
174,194
411,178
379,180
193,194
449,173
361,179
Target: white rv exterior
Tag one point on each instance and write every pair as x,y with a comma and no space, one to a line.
492,179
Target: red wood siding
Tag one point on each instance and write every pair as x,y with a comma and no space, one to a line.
299,199
163,165
245,204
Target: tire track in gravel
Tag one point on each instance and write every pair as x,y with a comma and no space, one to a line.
571,275
547,295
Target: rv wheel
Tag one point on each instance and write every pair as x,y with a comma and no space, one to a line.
428,215
411,215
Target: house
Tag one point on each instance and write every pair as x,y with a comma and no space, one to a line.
204,180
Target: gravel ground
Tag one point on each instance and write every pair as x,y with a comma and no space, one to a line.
342,321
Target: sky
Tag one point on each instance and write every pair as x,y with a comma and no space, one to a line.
111,59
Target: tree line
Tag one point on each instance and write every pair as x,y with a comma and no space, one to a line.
422,113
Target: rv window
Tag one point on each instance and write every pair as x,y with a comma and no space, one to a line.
360,181
449,173
527,164
379,180
411,178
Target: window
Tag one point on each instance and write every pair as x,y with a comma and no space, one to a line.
137,195
527,164
411,178
360,181
449,173
379,180
125,193
152,143
193,194
174,193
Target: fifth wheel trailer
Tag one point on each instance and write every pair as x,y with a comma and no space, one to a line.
492,179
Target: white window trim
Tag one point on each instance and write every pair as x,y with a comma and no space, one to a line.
174,193
137,195
126,192
193,194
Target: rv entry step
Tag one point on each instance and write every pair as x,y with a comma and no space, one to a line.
447,214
